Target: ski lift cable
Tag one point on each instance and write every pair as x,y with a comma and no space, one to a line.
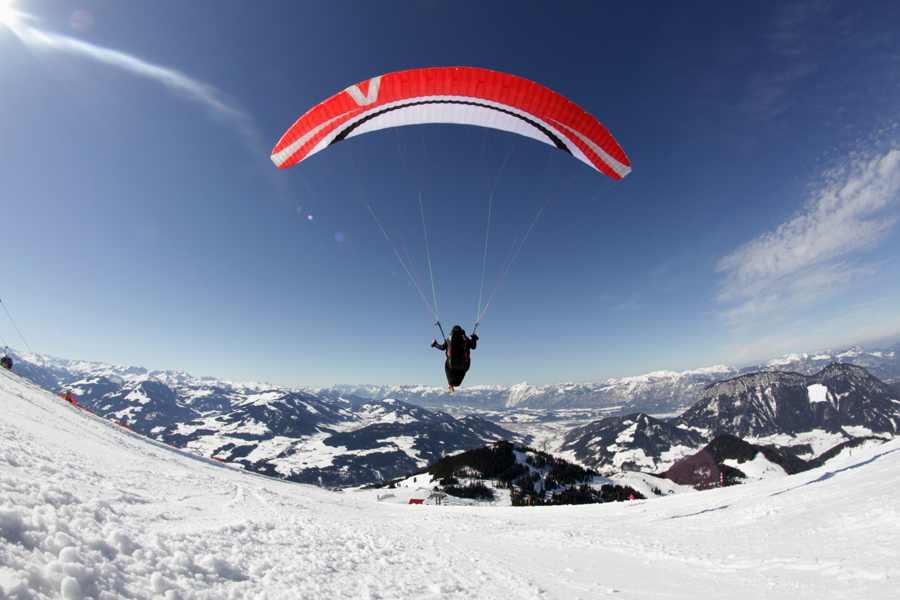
17,328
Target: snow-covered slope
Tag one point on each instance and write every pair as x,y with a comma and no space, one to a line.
91,510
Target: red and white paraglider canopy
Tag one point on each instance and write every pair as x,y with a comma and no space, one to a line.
460,95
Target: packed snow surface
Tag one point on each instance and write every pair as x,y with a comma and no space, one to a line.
90,509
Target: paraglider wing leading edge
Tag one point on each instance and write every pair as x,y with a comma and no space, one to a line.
461,95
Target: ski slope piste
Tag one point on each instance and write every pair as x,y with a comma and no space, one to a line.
89,509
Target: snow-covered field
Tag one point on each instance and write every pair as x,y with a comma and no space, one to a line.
89,509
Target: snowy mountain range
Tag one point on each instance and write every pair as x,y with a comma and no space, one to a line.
804,415
840,397
883,364
657,393
346,445
661,392
348,436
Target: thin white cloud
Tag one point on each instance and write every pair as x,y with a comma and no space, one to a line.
634,303
217,104
817,251
871,326
789,68
806,288
794,52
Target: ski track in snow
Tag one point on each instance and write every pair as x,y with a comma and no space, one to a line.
89,509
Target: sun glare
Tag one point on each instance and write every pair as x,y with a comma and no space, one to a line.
8,15
12,18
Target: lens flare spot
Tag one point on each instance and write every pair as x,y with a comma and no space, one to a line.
299,209
82,21
339,236
309,217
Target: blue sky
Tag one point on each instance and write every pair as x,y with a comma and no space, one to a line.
143,223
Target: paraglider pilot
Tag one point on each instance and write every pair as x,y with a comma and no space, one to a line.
6,362
457,347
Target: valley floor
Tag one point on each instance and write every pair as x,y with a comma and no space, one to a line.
89,509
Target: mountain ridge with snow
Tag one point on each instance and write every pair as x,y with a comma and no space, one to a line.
660,392
338,439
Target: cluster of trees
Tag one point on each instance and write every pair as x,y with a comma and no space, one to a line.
496,462
560,472
576,494
541,479
475,490
608,492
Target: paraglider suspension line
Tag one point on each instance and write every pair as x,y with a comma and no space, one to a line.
418,284
479,314
405,268
484,260
428,254
508,265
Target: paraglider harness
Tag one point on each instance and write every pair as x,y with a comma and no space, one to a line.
458,349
